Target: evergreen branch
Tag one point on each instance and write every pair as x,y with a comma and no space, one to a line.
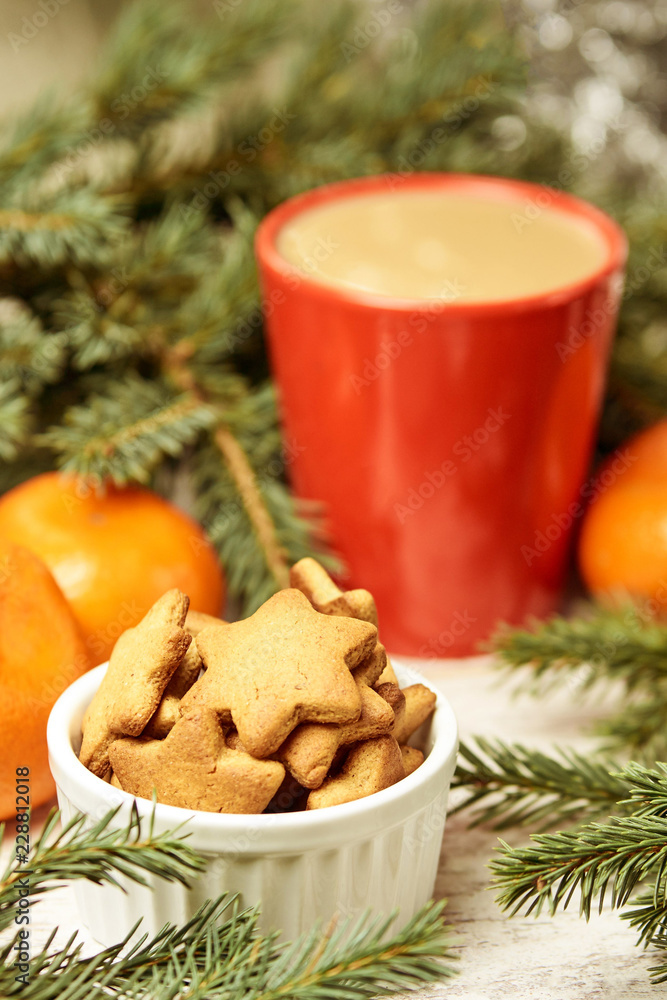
649,913
612,645
123,435
158,53
30,355
219,952
639,728
106,317
98,853
659,972
529,787
14,418
357,961
620,853
647,787
35,142
223,512
50,228
244,478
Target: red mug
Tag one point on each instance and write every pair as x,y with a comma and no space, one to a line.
449,444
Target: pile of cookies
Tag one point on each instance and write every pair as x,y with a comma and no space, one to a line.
296,707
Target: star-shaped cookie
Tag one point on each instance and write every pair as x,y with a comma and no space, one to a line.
168,711
284,665
140,667
369,767
309,751
194,768
419,702
308,576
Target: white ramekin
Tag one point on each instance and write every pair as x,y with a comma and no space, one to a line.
379,853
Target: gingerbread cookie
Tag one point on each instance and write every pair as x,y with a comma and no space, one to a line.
369,767
412,759
194,769
284,665
371,668
140,667
388,675
308,576
167,713
419,703
309,751
197,621
393,695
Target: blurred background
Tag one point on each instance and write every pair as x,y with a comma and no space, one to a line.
142,144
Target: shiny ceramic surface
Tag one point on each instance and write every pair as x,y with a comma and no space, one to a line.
449,441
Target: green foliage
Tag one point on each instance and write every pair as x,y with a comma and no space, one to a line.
600,860
220,951
127,432
521,787
97,852
616,845
626,646
127,216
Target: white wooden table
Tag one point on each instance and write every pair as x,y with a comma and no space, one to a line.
522,958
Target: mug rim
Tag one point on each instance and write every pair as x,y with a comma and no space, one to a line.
280,832
504,188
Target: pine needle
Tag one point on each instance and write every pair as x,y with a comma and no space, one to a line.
220,951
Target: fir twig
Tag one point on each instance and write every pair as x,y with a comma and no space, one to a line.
219,952
618,855
99,853
123,435
619,645
14,418
518,786
242,473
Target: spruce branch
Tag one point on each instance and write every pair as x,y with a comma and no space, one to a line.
515,786
244,478
123,435
36,140
223,511
610,645
49,228
161,54
616,855
638,728
29,354
97,852
14,418
220,951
